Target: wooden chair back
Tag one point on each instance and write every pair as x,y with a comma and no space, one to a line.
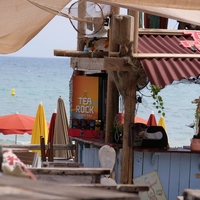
27,157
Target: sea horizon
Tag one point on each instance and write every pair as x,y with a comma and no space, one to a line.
44,79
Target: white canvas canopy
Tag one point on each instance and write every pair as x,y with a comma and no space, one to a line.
176,4
182,10
21,20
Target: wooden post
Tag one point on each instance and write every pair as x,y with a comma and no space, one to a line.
111,107
81,27
127,151
135,14
50,152
126,82
135,50
198,120
112,92
42,146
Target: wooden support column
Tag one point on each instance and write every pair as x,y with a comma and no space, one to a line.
126,83
131,103
127,151
81,29
112,92
111,107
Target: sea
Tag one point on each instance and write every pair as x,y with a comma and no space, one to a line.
37,80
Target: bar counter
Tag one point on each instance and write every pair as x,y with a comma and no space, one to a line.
176,167
101,142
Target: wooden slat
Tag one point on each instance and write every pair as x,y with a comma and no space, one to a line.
118,187
28,158
71,171
42,147
70,175
73,53
62,164
13,188
82,59
152,31
37,146
87,63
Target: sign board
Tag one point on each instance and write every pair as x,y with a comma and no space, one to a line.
192,43
156,191
85,97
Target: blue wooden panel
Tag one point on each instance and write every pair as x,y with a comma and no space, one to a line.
150,162
184,172
83,155
80,152
87,156
163,171
174,175
176,170
91,155
117,167
195,168
95,156
138,164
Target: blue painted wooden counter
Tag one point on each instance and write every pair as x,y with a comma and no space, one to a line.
176,167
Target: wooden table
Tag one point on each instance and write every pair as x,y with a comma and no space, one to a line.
70,175
191,194
12,188
61,162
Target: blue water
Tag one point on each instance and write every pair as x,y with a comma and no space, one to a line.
43,80
35,80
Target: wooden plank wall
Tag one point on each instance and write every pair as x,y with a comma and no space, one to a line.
176,170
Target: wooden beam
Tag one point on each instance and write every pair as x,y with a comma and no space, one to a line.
87,63
165,55
116,64
135,50
112,92
159,55
150,31
37,146
73,53
81,54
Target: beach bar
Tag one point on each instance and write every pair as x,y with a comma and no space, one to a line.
126,64
177,168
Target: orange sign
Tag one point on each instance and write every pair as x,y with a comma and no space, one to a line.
85,97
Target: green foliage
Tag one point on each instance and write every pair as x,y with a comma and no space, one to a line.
197,112
158,101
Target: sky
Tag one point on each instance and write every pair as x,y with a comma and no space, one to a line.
57,34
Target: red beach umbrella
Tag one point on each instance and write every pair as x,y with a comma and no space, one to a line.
152,120
51,128
140,120
51,134
16,124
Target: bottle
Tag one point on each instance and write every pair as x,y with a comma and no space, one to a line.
85,48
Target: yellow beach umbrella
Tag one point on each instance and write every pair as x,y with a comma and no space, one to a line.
161,122
40,127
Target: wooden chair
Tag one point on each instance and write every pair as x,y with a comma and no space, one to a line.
48,160
27,157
